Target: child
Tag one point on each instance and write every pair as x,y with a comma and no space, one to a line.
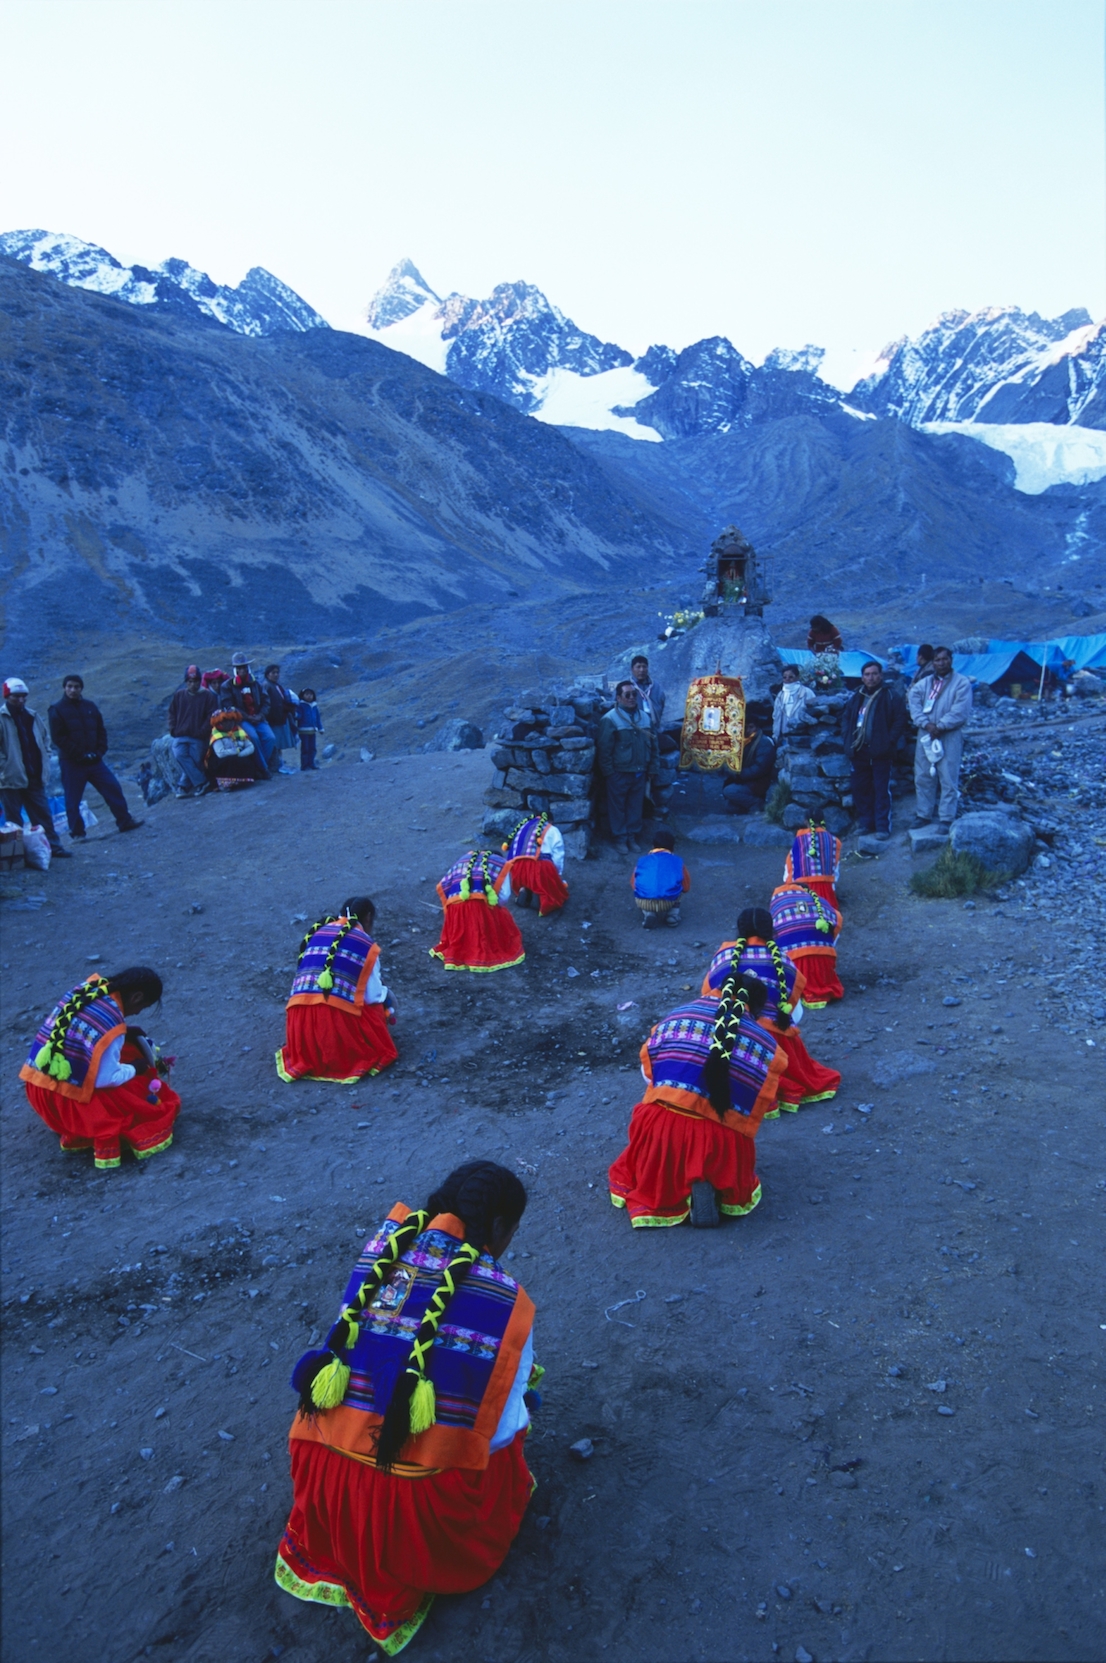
310,723
659,879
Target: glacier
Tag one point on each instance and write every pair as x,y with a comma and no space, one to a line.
1043,453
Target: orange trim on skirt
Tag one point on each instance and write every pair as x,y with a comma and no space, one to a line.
334,1042
381,1542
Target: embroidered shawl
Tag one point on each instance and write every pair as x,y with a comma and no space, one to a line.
677,1050
796,913
813,854
756,961
351,969
86,1039
451,886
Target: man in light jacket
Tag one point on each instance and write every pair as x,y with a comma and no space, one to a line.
24,753
626,749
940,705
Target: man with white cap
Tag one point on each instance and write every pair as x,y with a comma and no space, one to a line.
24,748
243,692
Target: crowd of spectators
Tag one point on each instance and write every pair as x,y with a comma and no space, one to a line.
229,728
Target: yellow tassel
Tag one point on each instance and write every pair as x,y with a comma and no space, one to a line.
423,1406
326,981
42,1060
823,926
60,1068
329,1386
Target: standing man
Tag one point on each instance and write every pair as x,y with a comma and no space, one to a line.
282,716
78,731
190,711
939,707
872,726
650,696
626,748
24,748
744,793
794,704
251,697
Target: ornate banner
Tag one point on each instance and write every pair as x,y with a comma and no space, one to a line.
714,724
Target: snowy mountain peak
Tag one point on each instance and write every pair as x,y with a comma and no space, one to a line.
402,293
807,360
260,305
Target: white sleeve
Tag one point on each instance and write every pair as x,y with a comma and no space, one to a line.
112,1072
553,845
504,890
515,1413
797,1012
375,991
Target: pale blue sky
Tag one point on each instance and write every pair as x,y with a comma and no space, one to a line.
778,171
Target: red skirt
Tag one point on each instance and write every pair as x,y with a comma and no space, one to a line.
330,1042
476,936
384,1544
805,1080
820,970
667,1153
112,1116
541,876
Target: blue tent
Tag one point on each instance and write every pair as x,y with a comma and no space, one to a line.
851,663
1081,651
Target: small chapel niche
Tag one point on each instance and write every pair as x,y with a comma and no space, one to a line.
734,577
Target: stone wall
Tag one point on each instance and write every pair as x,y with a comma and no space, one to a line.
544,760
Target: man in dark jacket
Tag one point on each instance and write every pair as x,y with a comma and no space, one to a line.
190,711
873,724
626,749
745,792
78,731
245,693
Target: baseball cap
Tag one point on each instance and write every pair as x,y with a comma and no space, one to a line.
15,685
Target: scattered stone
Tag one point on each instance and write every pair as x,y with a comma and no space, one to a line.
783,1590
843,1480
328,751
928,840
174,1484
869,844
802,1655
227,1437
998,841
937,1386
943,1409
146,1454
950,999
582,1450
895,1371
457,735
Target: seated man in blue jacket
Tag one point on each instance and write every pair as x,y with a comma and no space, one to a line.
745,792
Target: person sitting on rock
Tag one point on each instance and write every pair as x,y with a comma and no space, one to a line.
745,792
478,932
92,1076
794,704
339,1011
659,880
873,725
806,928
814,859
409,1475
711,1075
535,854
756,952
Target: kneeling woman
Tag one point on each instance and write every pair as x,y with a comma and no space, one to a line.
91,1075
408,1470
478,933
814,859
806,928
535,854
339,1011
712,1074
756,953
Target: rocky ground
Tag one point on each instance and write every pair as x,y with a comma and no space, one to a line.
861,1423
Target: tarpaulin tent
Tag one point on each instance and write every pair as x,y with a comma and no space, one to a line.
1080,651
850,663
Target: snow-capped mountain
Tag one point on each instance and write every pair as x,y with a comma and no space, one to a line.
996,365
519,346
260,305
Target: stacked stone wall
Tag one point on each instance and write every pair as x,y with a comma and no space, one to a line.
811,762
544,761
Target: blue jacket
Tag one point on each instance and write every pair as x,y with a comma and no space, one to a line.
660,876
308,716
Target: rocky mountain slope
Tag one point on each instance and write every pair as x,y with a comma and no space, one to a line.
161,472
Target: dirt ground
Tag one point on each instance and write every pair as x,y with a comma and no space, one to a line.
862,1423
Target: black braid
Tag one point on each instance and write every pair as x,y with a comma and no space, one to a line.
758,921
327,918
733,1003
481,1194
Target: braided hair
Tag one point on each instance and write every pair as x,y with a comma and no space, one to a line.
758,921
490,895
539,829
484,1196
51,1058
740,997
356,911
815,824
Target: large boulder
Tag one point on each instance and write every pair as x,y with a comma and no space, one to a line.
456,735
741,646
999,842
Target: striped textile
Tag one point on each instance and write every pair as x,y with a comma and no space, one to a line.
755,961
526,840
796,913
85,1039
461,1360
450,887
351,968
813,854
679,1044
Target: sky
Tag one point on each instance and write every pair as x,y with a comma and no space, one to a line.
776,171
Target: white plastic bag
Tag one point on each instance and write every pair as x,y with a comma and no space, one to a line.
36,849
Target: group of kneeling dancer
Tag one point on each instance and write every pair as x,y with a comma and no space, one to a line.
407,1448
